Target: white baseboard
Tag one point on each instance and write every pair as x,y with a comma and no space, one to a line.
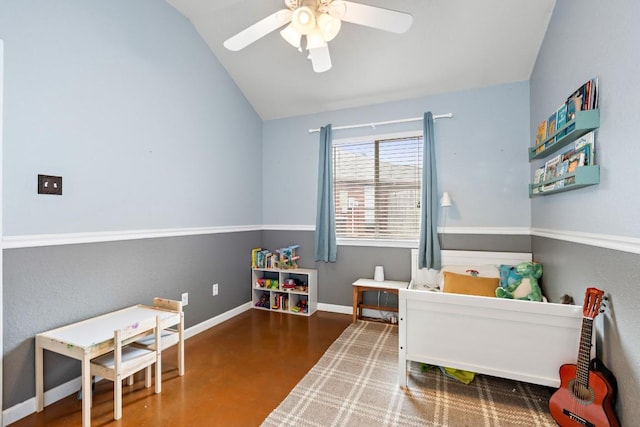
28,407
203,326
347,309
332,308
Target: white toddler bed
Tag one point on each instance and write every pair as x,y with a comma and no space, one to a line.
520,340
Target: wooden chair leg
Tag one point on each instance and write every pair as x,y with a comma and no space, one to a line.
117,399
147,376
158,373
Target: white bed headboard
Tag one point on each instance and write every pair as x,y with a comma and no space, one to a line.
425,276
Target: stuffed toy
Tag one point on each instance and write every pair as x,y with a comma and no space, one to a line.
526,286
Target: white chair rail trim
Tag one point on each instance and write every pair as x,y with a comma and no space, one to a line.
35,240
620,243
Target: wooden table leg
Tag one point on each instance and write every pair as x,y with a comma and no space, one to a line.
181,345
356,297
86,391
39,376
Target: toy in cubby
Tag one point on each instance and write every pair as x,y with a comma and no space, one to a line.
288,284
291,284
267,283
264,301
301,307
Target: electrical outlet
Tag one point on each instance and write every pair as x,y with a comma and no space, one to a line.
48,184
185,299
215,289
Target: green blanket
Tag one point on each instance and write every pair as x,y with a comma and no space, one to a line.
463,376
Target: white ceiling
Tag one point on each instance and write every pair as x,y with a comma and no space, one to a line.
452,45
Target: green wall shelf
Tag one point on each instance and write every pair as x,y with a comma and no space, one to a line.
585,122
582,177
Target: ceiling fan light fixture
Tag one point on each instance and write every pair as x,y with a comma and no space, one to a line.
315,40
291,36
303,20
329,26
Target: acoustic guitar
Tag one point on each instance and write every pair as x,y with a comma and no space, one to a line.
587,390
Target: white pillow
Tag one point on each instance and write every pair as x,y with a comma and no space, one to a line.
484,270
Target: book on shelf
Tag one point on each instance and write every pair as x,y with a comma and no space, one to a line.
576,159
541,134
587,140
587,96
562,168
585,155
561,120
561,116
551,124
565,155
573,105
584,98
551,166
538,175
254,257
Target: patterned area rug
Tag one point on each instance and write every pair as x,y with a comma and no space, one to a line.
355,383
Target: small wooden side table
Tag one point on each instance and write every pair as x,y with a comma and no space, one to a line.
362,285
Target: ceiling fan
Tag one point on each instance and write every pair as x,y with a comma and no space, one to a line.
319,22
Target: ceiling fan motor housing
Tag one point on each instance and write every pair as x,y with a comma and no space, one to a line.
315,5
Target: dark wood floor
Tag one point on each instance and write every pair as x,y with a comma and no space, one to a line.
236,374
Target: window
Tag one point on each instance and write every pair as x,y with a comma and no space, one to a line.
377,187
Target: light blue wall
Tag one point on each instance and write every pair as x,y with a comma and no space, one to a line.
584,40
126,102
481,154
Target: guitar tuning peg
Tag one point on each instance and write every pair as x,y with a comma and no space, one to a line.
601,310
606,298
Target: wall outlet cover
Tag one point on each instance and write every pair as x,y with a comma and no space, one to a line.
48,184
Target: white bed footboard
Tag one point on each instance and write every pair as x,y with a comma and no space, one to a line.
520,340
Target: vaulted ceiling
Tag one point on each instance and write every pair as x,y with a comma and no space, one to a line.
452,45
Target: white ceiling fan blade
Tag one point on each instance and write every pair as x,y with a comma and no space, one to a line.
371,16
320,59
258,30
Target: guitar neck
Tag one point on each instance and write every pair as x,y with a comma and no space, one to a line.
584,352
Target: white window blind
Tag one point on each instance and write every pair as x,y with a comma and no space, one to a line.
377,187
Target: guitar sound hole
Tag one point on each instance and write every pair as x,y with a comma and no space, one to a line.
579,392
